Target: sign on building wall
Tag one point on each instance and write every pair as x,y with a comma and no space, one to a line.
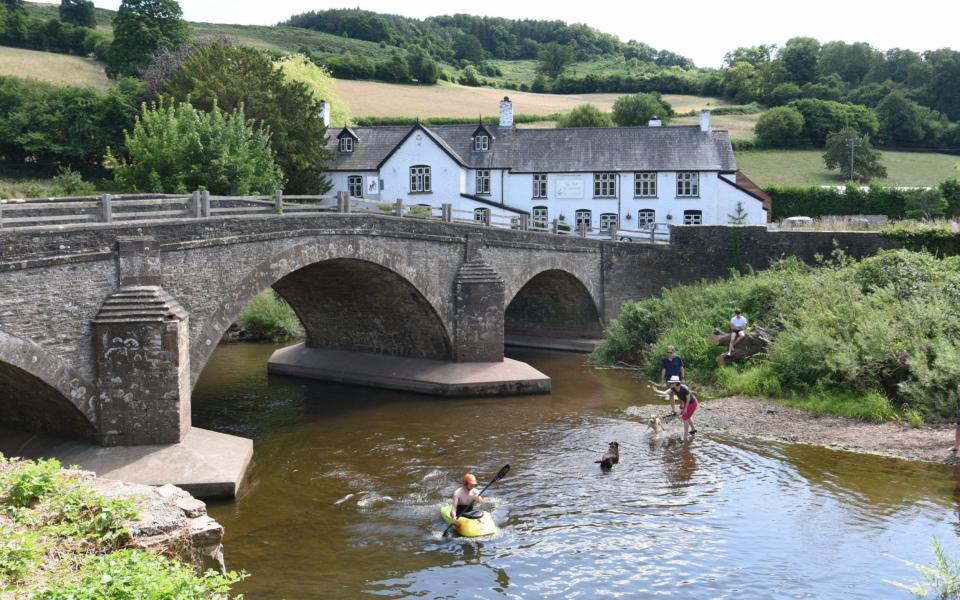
569,187
373,185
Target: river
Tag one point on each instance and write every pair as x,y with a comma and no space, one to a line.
342,498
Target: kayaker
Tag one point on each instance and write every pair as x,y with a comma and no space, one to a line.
465,496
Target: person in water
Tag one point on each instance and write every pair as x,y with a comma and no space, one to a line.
688,403
671,365
466,496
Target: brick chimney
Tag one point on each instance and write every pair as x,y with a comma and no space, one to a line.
506,113
705,120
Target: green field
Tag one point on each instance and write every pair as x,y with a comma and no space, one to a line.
53,68
805,167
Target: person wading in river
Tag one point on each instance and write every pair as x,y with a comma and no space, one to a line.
465,496
671,365
688,403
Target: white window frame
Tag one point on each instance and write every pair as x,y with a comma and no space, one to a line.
355,184
480,214
605,185
693,217
420,179
645,184
483,182
539,185
688,184
481,143
540,216
346,144
645,216
578,217
608,219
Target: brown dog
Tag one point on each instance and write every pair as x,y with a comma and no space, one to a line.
610,457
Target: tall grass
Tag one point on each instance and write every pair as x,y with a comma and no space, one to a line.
269,318
869,339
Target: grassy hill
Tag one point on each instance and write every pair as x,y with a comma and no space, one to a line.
53,68
805,167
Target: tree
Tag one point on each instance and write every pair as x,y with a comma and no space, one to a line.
820,117
585,115
800,56
742,83
175,148
851,62
901,120
141,28
739,216
554,59
220,73
638,109
780,126
78,12
467,47
422,68
928,204
471,77
395,69
852,153
783,94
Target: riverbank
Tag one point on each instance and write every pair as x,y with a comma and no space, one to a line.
737,415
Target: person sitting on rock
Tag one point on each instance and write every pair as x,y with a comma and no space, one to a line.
738,329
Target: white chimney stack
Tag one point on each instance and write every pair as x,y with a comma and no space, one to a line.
506,113
655,122
705,120
325,113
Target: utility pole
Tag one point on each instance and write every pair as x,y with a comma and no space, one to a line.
854,142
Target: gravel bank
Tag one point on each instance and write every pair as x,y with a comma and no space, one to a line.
766,419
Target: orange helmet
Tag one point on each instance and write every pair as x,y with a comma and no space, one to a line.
469,479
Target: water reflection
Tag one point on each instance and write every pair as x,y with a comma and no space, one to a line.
343,498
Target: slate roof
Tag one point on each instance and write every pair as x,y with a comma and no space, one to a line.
580,149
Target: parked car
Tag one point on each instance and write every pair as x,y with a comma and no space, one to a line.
659,231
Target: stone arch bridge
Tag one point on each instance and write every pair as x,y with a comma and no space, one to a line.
105,328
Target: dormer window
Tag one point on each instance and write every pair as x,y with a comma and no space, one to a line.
481,143
346,144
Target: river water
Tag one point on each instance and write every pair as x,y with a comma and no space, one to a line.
342,498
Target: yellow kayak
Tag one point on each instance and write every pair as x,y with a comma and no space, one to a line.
471,527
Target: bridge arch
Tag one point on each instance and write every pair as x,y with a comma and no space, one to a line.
553,302
61,402
347,297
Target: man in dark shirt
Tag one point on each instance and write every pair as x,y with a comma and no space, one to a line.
671,365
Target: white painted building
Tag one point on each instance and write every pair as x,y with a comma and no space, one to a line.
623,176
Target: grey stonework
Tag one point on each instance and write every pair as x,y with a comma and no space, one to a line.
360,282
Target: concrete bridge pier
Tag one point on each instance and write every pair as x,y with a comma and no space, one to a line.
141,340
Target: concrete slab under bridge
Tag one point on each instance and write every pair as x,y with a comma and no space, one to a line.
424,376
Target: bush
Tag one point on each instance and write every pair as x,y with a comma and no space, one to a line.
781,126
862,339
638,109
585,115
20,551
68,182
23,486
269,317
133,574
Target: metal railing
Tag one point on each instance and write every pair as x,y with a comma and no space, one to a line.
110,208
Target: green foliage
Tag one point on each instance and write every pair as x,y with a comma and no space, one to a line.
943,577
229,76
42,124
139,575
176,149
822,117
20,552
78,12
739,215
780,126
467,47
492,120
141,29
68,182
638,109
853,338
927,204
585,115
848,150
20,30
422,68
471,77
296,68
22,487
269,317
554,59
79,512
800,56
816,201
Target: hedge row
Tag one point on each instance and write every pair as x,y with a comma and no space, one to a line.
813,201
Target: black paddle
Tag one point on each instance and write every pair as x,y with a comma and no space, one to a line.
453,509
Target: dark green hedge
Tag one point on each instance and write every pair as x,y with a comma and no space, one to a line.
814,201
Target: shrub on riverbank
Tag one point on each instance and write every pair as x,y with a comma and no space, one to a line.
865,339
60,540
269,318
